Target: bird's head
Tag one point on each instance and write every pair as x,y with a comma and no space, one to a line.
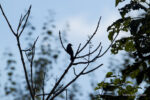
69,44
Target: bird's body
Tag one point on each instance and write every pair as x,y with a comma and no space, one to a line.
70,51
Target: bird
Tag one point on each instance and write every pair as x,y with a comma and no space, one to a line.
70,51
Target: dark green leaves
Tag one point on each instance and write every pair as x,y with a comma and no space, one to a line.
118,1
117,26
136,44
109,74
117,86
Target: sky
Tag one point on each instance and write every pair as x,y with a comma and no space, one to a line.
82,16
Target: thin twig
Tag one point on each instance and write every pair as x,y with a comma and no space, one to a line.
109,46
74,72
91,36
31,63
73,80
92,69
82,72
30,49
24,66
41,94
94,59
7,20
66,95
28,13
77,51
20,21
43,89
61,41
27,56
60,79
59,88
20,51
70,81
90,52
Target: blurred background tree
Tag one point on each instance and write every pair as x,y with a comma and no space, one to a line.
44,64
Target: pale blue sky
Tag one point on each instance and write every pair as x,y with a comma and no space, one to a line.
82,16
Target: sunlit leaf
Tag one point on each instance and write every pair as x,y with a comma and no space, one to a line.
109,74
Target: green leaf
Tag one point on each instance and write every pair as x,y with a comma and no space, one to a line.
129,88
109,74
117,2
134,73
101,84
129,82
129,46
97,88
111,34
117,81
143,0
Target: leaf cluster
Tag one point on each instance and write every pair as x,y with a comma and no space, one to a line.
115,86
137,40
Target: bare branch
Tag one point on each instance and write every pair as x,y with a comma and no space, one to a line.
90,61
78,48
20,51
99,47
92,69
77,51
90,52
109,46
60,79
73,80
65,87
77,76
66,95
30,49
74,70
91,36
43,83
41,94
24,66
20,22
59,88
27,56
61,41
35,42
31,62
22,19
27,14
26,49
7,20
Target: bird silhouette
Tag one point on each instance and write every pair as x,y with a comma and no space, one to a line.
70,51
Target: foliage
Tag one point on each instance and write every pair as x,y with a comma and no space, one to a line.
116,87
136,43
